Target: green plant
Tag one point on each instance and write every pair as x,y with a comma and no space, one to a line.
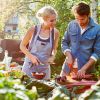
97,72
92,94
16,73
14,90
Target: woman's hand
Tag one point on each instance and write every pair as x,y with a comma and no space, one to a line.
51,59
34,60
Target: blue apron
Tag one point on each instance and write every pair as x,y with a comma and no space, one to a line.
42,52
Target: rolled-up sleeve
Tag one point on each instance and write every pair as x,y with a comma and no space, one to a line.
96,53
65,41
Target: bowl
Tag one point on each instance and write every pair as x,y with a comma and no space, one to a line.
38,75
13,64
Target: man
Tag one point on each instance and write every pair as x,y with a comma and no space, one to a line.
81,42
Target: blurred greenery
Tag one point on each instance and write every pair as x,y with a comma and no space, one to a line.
14,90
92,94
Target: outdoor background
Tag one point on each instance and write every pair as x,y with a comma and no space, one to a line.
16,17
20,14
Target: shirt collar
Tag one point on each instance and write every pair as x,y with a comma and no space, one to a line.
91,22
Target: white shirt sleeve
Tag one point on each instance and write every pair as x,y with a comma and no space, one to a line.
93,58
67,50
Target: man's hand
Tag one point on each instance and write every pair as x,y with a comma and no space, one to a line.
69,59
81,72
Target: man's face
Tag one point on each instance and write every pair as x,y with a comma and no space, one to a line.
82,20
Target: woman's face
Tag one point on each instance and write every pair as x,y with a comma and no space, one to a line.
50,21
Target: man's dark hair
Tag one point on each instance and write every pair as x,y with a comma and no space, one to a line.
81,9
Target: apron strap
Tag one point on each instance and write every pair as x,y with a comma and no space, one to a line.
35,32
52,36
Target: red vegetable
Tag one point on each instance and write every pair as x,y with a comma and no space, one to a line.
87,76
81,83
61,80
70,65
78,91
37,75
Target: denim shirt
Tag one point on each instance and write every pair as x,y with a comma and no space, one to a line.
82,46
